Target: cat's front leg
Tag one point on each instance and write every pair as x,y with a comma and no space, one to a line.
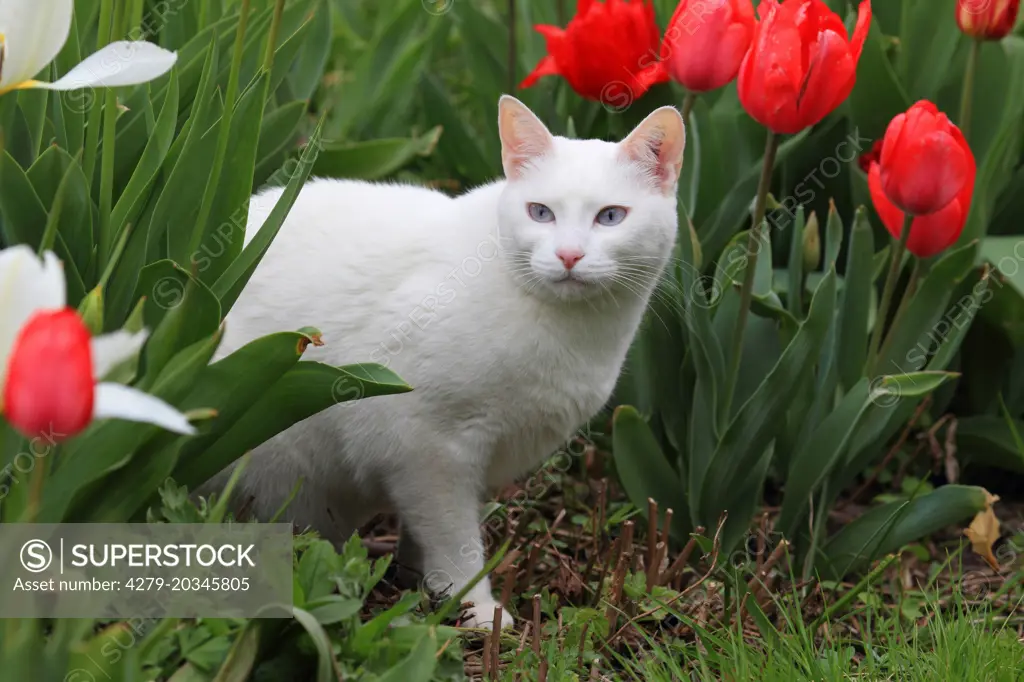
438,504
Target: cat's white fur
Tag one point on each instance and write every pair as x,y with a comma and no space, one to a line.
467,301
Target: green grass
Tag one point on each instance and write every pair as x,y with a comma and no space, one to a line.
967,645
962,643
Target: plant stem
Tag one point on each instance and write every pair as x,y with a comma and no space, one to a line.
511,46
92,141
688,102
901,51
134,26
275,28
967,96
887,291
915,277
746,292
106,195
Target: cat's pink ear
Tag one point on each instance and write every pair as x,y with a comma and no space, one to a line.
656,146
524,138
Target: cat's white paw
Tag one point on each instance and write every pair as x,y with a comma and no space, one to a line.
482,616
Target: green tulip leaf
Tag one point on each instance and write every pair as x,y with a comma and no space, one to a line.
302,391
374,159
988,440
229,285
855,303
644,470
761,417
889,527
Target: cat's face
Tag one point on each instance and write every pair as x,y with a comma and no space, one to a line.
587,218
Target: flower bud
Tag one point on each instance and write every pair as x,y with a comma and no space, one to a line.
812,244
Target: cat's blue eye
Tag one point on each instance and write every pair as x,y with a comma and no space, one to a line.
611,215
540,213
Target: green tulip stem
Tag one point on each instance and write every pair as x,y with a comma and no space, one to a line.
107,149
134,26
512,46
887,291
275,29
688,102
747,290
908,294
967,96
95,112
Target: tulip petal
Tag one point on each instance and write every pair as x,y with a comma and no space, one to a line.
930,234
652,75
545,67
967,193
121,63
116,401
771,73
551,33
110,350
735,42
892,217
934,233
856,46
49,383
32,33
26,285
860,32
829,78
891,139
926,174
703,50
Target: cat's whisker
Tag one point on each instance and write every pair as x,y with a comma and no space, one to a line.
630,286
656,293
609,293
654,313
645,278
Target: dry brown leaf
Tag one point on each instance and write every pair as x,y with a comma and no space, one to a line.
984,531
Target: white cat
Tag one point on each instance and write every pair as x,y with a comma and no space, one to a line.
508,309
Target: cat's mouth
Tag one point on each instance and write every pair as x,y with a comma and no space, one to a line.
570,285
570,279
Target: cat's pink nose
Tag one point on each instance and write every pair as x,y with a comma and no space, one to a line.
569,257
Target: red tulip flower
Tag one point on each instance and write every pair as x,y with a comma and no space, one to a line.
925,160
987,19
930,234
51,369
50,384
801,64
607,53
705,42
924,166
